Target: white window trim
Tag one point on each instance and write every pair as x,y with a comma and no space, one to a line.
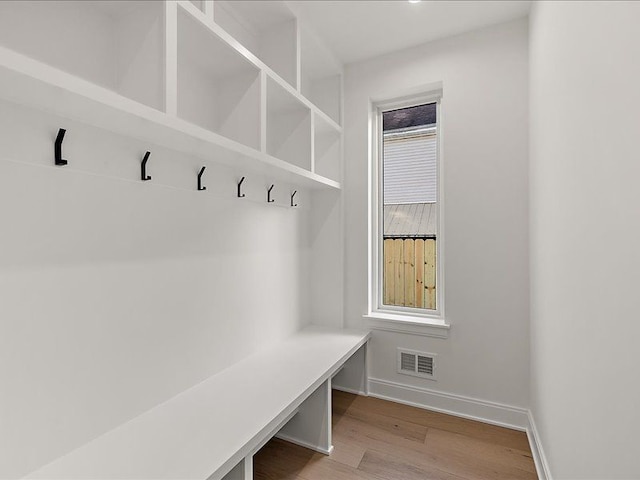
387,317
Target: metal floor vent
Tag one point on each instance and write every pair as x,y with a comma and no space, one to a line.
418,364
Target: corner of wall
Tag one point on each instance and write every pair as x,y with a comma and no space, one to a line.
539,457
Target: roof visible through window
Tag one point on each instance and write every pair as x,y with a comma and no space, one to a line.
404,118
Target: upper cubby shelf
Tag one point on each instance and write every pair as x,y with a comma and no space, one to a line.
268,29
30,83
327,149
114,44
219,91
288,127
221,80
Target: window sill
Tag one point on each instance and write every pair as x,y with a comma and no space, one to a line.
413,325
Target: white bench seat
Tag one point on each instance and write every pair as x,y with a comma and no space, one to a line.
212,428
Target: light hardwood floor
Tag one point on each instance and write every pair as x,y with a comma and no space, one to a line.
374,439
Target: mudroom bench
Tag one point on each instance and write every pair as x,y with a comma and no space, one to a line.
212,430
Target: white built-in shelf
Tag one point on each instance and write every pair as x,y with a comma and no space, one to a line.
219,90
199,4
22,81
268,29
118,45
288,126
327,149
214,79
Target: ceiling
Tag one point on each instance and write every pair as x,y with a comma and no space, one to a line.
361,29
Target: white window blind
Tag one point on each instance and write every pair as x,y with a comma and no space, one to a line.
409,167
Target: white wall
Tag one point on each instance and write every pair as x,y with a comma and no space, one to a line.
117,294
484,126
326,259
585,205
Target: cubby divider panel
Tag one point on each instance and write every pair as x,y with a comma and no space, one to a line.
288,126
218,88
268,29
117,45
327,147
199,4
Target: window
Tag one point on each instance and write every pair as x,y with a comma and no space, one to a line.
407,210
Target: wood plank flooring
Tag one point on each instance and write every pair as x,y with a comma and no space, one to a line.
378,440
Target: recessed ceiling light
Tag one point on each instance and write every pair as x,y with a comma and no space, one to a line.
414,1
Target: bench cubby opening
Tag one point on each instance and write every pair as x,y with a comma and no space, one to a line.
311,426
242,471
353,375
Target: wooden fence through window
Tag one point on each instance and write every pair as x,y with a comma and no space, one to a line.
410,272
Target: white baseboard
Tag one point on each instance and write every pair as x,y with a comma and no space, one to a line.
466,407
349,390
539,458
484,411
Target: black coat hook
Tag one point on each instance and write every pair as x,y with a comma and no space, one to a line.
269,199
293,195
240,194
143,168
58,147
200,187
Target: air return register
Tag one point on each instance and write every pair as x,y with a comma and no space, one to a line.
417,364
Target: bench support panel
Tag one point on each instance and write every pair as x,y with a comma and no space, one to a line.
353,377
311,426
242,471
